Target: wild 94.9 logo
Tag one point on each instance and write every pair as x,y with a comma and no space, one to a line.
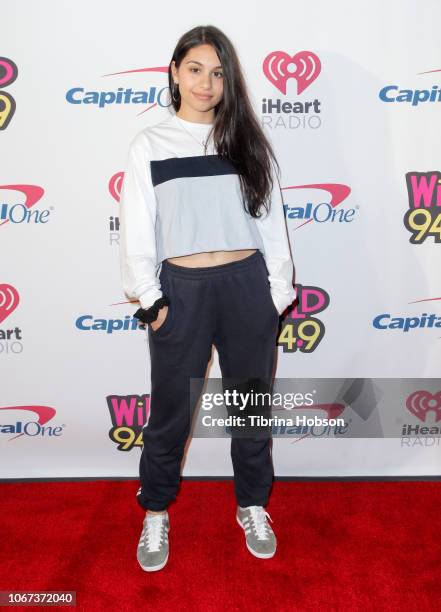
423,217
129,414
301,329
8,74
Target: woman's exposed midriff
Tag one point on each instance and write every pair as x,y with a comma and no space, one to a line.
211,258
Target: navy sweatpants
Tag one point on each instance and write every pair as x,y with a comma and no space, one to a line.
228,306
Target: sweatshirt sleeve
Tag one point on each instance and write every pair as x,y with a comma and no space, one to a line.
277,255
137,217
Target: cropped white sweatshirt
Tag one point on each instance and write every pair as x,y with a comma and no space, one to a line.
176,200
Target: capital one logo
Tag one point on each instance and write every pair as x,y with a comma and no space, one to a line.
304,67
30,428
23,213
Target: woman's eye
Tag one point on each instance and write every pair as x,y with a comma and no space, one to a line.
218,74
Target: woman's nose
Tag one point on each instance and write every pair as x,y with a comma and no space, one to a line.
206,81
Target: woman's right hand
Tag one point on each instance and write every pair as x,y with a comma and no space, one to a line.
162,315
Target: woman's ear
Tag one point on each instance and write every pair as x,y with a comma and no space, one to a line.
173,70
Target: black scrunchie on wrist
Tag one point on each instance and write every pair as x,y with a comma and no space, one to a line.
147,315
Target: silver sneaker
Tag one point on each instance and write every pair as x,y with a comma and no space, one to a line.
260,538
152,553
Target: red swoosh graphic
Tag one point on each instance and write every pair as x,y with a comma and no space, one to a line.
157,69
337,191
32,194
425,300
429,71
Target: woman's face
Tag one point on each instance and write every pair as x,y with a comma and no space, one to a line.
200,80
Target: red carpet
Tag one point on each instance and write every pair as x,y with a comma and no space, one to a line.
341,546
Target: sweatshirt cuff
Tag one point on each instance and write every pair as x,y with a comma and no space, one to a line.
283,300
148,298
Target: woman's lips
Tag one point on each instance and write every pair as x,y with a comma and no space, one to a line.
202,97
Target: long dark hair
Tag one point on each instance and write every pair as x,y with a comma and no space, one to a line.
237,134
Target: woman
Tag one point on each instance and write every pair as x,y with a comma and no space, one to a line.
200,203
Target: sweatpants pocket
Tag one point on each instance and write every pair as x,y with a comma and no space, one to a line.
165,326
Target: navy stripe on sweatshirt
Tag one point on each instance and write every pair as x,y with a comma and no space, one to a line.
195,165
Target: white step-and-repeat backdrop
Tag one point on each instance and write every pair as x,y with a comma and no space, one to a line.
350,95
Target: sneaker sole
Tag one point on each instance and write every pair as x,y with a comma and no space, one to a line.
253,552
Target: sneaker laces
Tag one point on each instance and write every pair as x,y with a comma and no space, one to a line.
260,523
153,532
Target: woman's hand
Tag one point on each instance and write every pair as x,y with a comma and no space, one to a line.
162,314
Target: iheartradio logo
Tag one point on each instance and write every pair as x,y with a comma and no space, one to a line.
115,188
422,402
304,67
9,300
115,185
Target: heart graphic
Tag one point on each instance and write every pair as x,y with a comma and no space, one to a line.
115,185
421,402
9,300
304,67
